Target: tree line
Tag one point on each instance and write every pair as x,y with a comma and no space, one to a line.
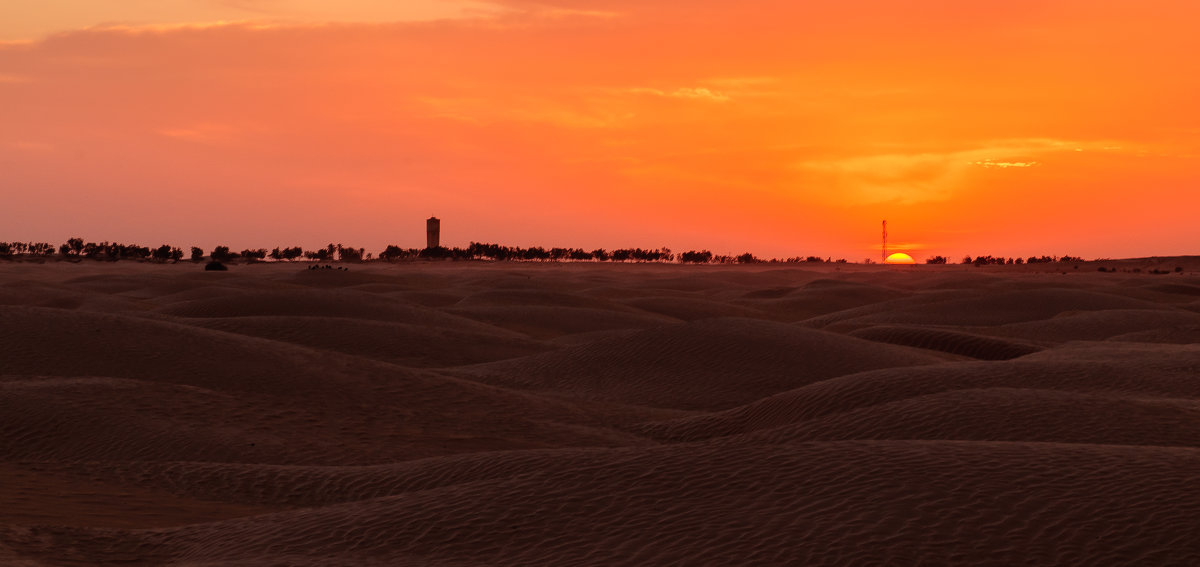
76,248
112,251
502,253
990,260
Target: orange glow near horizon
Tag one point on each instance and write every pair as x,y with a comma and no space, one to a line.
780,128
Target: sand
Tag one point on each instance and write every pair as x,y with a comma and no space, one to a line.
470,414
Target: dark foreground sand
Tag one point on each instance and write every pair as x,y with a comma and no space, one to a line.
474,414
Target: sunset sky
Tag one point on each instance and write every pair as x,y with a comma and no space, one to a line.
779,127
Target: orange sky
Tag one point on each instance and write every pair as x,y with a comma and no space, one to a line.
779,127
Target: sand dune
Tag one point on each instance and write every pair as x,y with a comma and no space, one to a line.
1098,325
559,414
544,322
1179,334
400,343
831,503
998,308
687,366
1140,372
818,297
309,303
1005,414
692,308
953,342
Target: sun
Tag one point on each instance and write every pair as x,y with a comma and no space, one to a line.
899,258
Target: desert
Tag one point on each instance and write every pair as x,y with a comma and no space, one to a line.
582,413
491,283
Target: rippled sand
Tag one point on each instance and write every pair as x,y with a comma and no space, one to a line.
482,414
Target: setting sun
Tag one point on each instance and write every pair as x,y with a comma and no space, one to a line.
900,258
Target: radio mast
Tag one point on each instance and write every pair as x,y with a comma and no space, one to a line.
884,247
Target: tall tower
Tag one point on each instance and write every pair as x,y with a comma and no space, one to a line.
884,247
433,232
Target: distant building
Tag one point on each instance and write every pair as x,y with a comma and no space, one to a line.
433,232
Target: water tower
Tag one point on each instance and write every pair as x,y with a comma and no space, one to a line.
433,232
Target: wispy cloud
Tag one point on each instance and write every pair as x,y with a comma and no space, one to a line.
187,26
931,176
206,133
481,111
1005,164
694,93
700,93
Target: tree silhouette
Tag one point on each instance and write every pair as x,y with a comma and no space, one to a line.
696,257
393,252
254,255
162,253
320,255
438,252
222,254
75,245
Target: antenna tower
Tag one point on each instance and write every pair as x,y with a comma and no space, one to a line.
884,248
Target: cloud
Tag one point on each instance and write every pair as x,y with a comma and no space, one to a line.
699,93
1005,164
694,93
930,176
134,29
13,79
516,108
29,19
206,133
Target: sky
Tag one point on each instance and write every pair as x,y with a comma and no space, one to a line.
777,127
